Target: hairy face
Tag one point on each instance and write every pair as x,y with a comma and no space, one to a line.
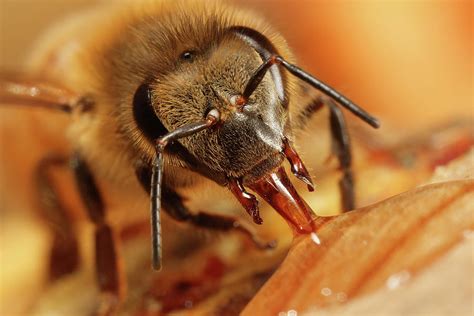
191,66
248,140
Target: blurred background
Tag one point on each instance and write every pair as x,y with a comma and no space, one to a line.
410,63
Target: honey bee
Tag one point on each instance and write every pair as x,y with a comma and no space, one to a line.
164,94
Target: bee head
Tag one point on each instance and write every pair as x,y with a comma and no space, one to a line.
237,77
248,139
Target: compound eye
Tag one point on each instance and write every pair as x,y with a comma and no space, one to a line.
144,114
188,55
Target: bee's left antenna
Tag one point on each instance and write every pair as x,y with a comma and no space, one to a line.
157,177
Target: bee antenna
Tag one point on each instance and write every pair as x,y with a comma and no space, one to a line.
157,177
329,91
270,56
316,83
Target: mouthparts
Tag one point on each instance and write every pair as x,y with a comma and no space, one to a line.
279,192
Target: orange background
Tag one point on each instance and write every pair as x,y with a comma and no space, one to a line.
410,62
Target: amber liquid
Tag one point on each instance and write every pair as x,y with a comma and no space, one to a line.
280,193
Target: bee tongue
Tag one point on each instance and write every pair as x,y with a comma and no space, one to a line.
278,191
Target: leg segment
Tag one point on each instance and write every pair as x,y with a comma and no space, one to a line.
341,146
174,206
106,258
64,256
36,92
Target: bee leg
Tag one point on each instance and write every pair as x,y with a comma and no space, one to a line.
109,278
173,205
340,146
64,256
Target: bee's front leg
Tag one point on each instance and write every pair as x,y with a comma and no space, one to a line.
341,145
173,205
111,283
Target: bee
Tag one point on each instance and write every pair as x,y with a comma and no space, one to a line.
163,94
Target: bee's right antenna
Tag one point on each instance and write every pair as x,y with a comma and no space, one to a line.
270,57
330,92
316,83
157,177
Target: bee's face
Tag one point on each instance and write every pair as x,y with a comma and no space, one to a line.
247,142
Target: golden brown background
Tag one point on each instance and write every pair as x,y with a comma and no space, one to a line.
408,62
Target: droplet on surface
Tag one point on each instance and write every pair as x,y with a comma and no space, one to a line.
397,279
315,238
326,291
292,312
